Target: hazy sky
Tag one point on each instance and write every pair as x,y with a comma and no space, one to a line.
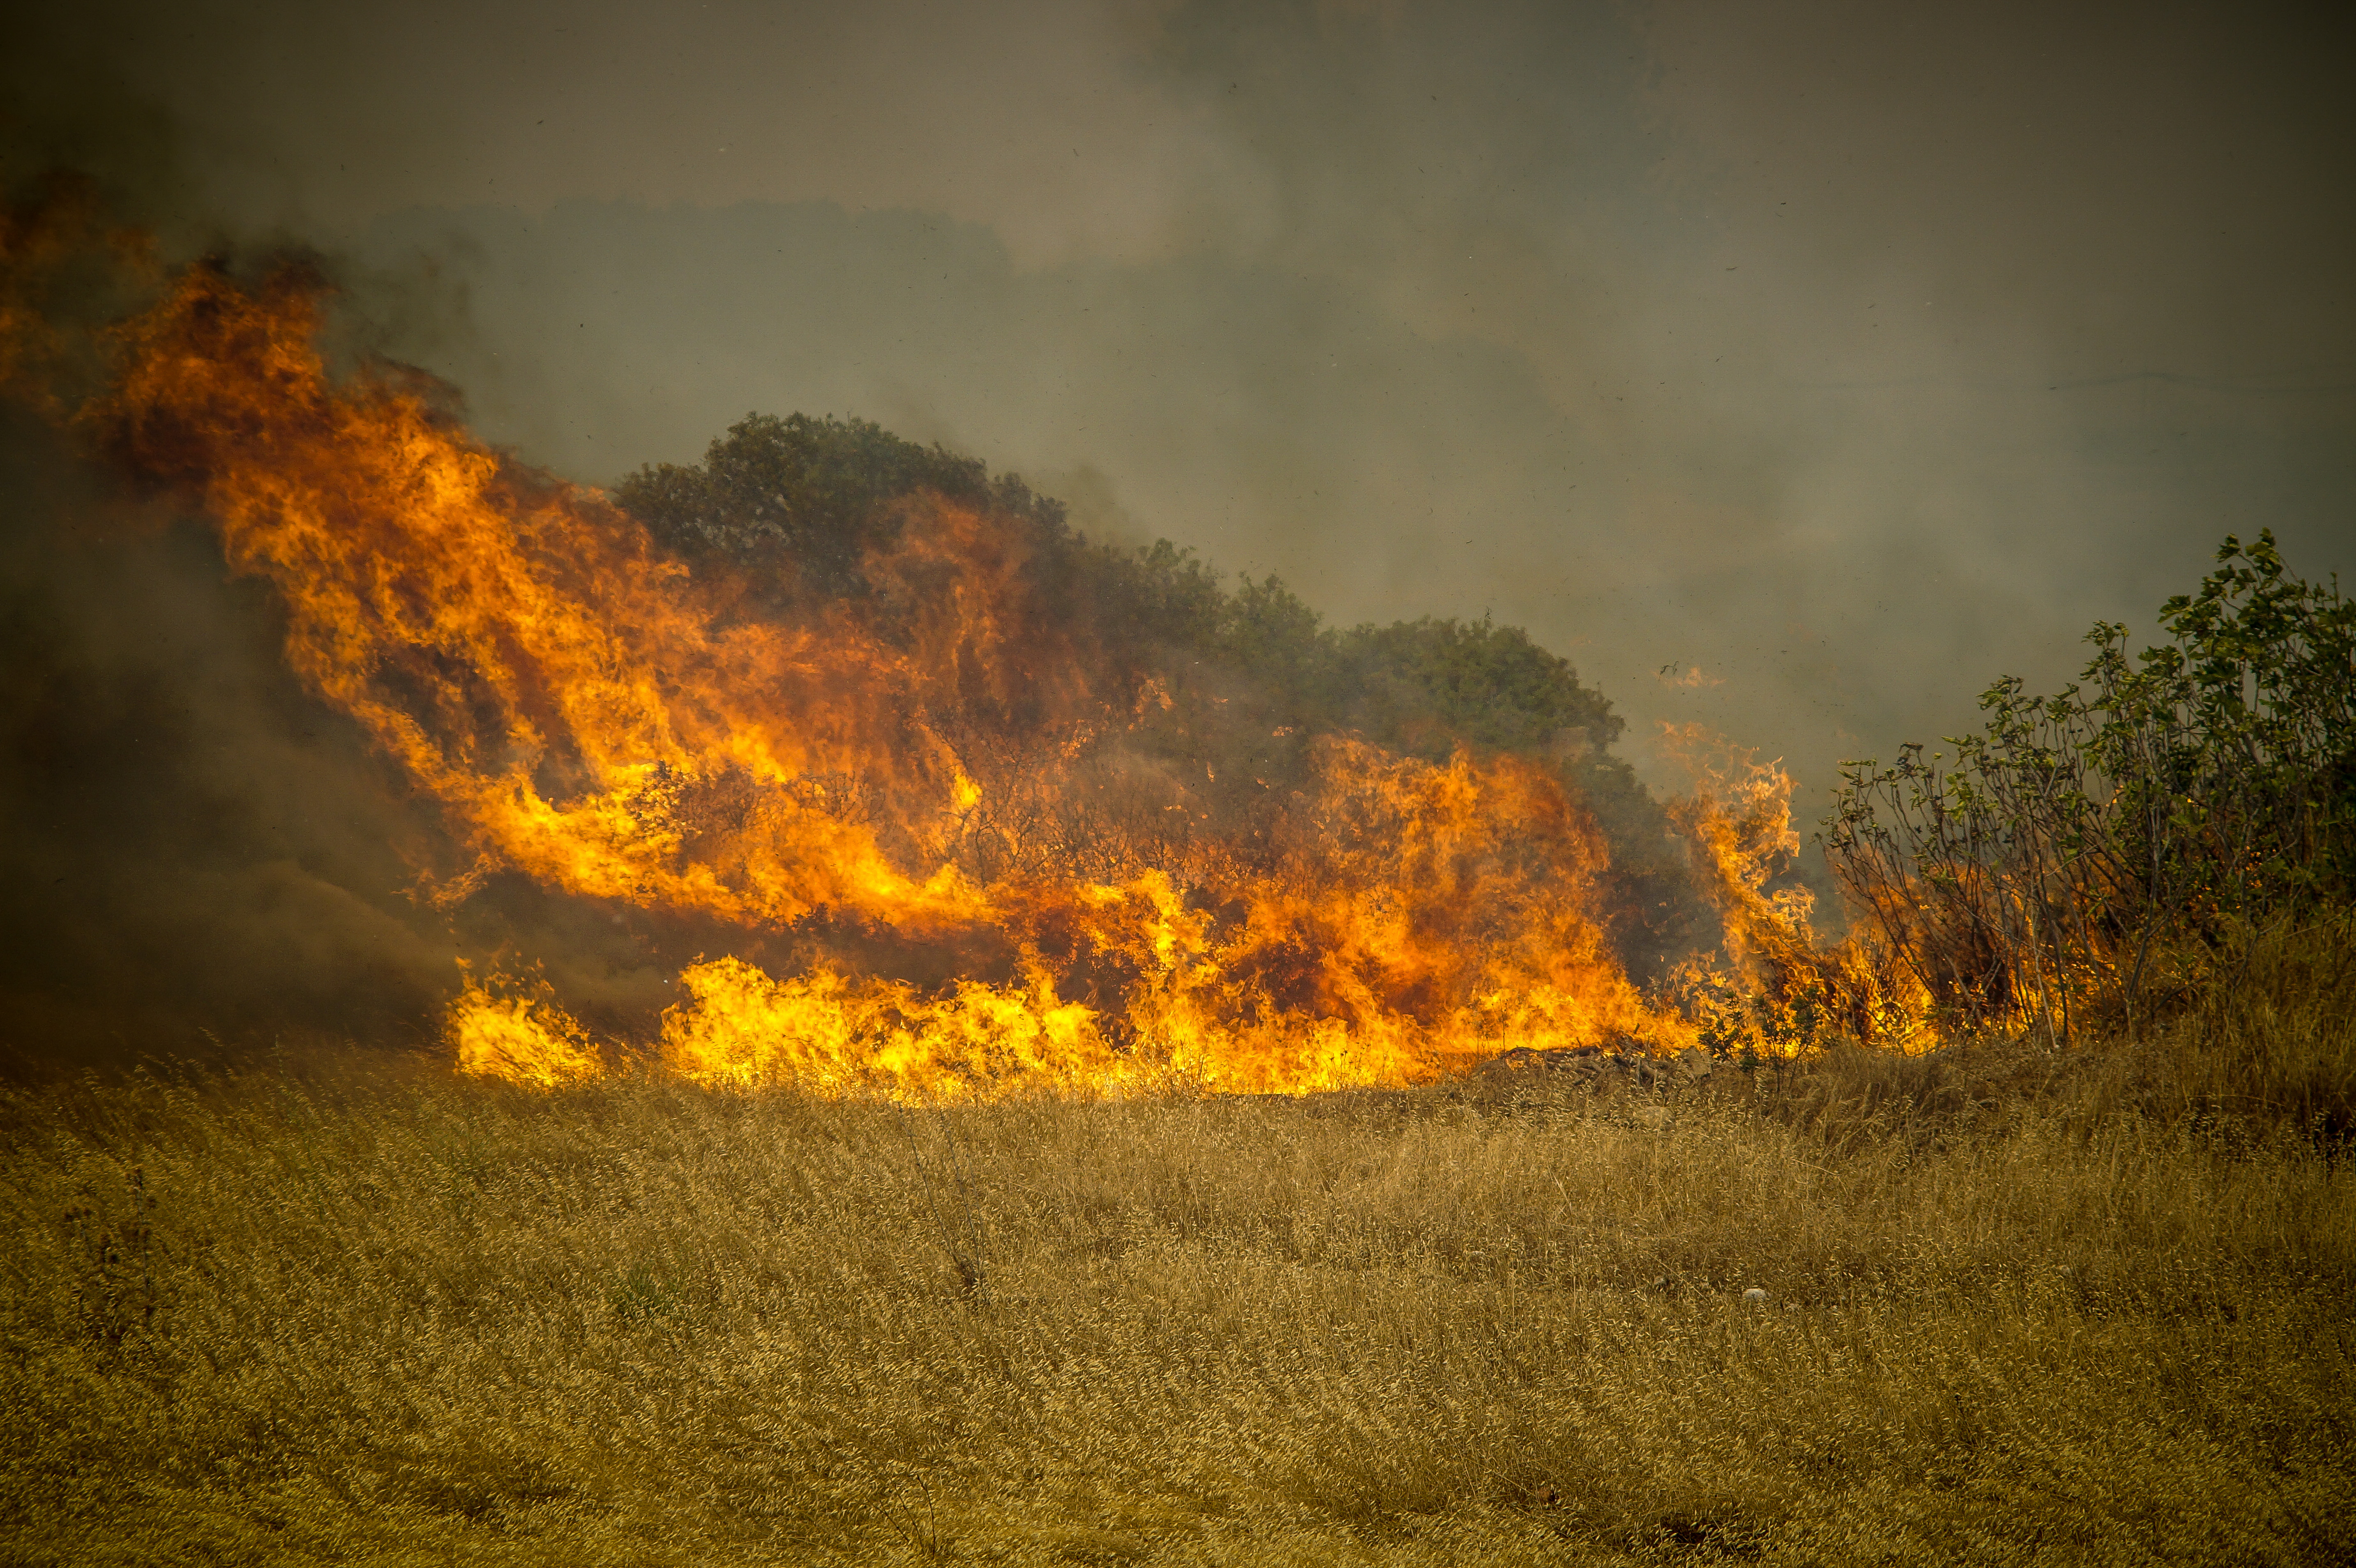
1831,359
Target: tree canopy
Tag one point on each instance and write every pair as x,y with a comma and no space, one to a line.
1245,676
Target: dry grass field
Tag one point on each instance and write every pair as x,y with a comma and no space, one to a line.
2020,1306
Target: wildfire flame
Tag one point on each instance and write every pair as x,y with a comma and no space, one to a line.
588,712
1773,988
524,1038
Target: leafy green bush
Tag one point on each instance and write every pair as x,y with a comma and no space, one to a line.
2088,850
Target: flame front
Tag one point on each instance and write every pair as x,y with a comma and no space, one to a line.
524,1038
527,657
588,713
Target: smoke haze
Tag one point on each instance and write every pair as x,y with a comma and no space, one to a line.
1793,370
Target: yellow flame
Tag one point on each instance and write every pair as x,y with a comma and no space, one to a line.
521,1038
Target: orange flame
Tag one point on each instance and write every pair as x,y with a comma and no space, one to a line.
589,714
526,656
1773,988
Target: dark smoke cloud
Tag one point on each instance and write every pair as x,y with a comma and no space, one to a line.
192,843
197,848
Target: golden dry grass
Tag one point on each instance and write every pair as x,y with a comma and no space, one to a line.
2021,1307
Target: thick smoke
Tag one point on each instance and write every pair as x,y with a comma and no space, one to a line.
1849,356
196,844
192,840
199,851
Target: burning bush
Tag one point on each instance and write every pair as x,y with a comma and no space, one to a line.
1006,806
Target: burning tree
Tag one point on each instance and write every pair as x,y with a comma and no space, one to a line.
973,802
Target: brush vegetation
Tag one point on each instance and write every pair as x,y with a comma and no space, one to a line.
1227,685
2089,854
2096,1305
